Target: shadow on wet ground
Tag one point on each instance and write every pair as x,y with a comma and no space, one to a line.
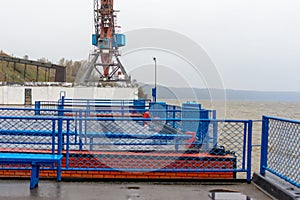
19,190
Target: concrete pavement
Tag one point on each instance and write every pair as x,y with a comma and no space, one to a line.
19,190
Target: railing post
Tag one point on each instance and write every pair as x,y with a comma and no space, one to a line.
80,131
264,145
59,135
249,153
215,128
215,133
122,109
214,114
68,143
174,116
88,107
59,144
37,108
53,136
61,106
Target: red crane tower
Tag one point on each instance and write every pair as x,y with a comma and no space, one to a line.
105,57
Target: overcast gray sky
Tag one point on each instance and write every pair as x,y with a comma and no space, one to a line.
254,44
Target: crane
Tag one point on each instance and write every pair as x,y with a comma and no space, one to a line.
105,57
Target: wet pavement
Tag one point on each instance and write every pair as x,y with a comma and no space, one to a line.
19,190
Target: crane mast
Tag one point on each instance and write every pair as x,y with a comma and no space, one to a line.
105,57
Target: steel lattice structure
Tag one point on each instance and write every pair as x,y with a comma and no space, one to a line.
105,57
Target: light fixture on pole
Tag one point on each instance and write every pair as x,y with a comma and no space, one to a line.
154,90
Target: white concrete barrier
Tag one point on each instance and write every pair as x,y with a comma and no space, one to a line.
15,95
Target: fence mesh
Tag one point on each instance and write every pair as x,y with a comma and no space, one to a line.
233,137
155,145
283,152
133,144
27,135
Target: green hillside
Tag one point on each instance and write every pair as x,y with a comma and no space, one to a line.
15,73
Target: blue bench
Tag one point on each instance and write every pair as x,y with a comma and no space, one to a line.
35,160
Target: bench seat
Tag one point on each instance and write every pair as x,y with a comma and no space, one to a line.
35,160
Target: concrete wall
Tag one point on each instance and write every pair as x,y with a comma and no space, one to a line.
15,95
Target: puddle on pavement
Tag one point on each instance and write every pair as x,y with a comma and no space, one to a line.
133,192
133,187
227,195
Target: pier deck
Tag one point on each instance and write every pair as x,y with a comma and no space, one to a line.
18,190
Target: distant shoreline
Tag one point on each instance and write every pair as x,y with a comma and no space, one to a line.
218,94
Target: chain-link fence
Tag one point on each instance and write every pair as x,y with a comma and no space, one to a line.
31,111
92,107
29,135
130,135
133,144
144,137
280,151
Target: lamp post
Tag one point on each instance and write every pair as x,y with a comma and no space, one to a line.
154,90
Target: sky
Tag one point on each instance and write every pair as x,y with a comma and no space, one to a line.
254,44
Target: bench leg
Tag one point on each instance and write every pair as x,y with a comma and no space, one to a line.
58,172
35,176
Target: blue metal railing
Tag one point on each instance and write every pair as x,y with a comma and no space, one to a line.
280,150
94,126
30,134
140,105
93,105
234,135
82,139
102,103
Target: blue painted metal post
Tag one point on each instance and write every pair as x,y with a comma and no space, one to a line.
249,153
154,90
122,109
88,108
68,143
35,172
174,116
61,106
80,131
53,136
37,108
85,130
245,139
59,132
215,129
202,134
59,149
264,145
154,94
